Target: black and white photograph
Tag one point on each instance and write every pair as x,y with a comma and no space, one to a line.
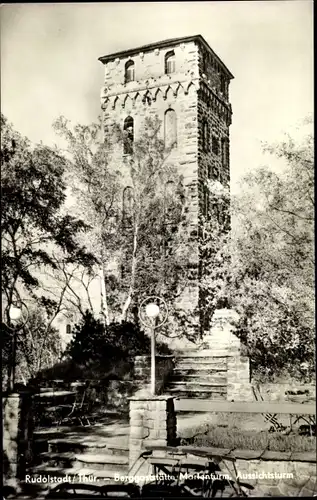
157,250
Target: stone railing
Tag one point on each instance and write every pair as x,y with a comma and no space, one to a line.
164,365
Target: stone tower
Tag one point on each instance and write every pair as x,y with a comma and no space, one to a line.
186,85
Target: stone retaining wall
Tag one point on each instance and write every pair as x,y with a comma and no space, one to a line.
239,378
270,473
164,366
280,476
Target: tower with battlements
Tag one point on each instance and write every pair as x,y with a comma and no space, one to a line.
185,84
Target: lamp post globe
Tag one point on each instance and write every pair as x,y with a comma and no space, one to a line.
15,313
150,319
152,310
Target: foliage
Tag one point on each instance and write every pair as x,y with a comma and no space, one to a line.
33,222
265,267
144,247
100,346
234,438
38,347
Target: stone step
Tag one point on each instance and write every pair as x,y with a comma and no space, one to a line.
198,378
210,362
101,462
60,431
189,394
211,354
115,445
201,367
198,386
118,449
84,461
97,476
199,372
66,445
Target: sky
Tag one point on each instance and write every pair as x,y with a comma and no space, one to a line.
50,67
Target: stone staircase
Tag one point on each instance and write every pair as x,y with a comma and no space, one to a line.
199,375
91,454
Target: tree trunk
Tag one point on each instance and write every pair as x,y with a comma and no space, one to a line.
128,301
103,292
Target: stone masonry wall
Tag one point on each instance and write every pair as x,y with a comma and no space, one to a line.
152,98
164,366
197,91
220,340
152,421
278,476
270,473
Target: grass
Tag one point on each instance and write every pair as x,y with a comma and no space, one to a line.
231,438
249,432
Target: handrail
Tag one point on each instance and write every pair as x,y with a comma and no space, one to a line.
202,405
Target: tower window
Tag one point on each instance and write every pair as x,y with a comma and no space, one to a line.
170,129
215,145
170,62
222,84
205,136
129,135
129,74
225,152
68,329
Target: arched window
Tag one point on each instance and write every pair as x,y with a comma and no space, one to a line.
127,206
129,74
128,129
223,83
225,152
205,136
170,129
215,145
170,62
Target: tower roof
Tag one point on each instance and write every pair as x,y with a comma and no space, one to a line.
166,43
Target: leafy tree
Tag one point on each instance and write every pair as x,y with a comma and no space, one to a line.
265,267
147,240
96,347
38,347
34,223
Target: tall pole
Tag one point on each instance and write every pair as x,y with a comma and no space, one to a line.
14,360
153,360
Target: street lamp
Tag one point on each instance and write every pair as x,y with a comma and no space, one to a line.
149,311
17,313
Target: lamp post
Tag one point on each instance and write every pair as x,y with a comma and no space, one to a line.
17,313
150,310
